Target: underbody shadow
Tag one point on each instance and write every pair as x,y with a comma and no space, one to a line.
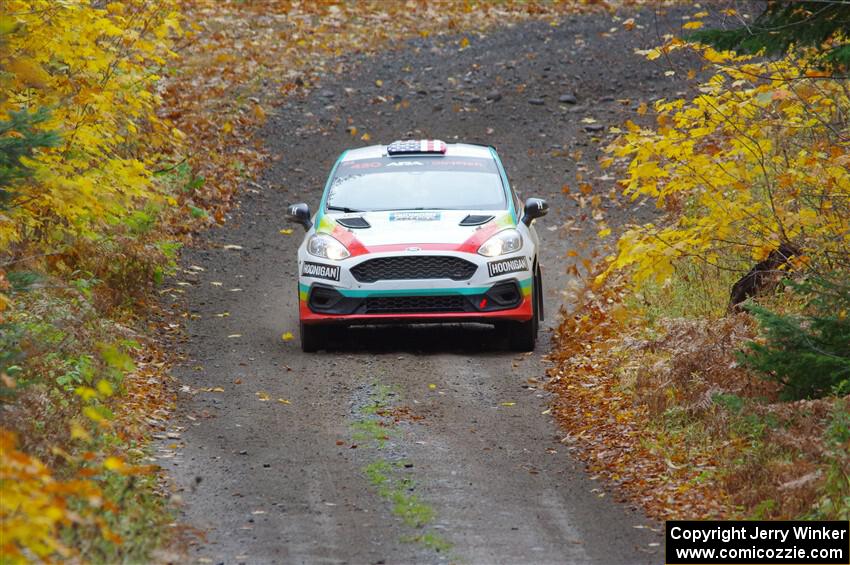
469,339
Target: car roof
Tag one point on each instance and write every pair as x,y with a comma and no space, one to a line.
452,150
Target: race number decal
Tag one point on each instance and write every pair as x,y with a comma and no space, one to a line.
319,271
506,266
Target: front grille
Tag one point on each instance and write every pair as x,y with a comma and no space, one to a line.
414,304
414,267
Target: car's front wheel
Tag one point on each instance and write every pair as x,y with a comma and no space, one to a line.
313,337
523,335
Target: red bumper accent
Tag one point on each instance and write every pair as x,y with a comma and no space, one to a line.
521,313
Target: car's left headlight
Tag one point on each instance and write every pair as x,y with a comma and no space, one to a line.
322,245
504,242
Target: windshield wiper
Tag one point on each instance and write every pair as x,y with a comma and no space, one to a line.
344,209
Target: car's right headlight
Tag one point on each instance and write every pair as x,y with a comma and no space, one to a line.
323,245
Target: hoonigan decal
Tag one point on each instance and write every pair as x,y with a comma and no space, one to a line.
320,271
505,266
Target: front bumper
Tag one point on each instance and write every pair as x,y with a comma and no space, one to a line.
483,297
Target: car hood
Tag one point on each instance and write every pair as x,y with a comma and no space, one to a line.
427,227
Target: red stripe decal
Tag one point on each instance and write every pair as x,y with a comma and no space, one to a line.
471,245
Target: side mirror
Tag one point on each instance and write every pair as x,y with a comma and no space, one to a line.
300,214
534,208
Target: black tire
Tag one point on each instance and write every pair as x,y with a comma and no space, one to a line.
523,335
313,337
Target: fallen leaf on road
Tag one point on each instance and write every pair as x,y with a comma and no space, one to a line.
286,231
263,396
287,336
432,386
507,403
231,246
283,401
216,283
235,335
223,315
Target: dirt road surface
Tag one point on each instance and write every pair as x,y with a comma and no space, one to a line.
278,459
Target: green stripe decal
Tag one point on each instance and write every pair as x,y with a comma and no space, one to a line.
414,292
524,285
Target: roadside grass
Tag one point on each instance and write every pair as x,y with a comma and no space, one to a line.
376,426
654,398
697,290
406,505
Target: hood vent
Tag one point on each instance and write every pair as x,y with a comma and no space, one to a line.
354,223
473,220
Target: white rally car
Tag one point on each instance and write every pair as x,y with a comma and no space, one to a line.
419,232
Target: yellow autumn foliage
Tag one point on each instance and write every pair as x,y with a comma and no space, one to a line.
758,157
95,67
34,504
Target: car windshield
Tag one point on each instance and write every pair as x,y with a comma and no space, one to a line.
416,183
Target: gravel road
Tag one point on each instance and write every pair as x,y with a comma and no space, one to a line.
282,464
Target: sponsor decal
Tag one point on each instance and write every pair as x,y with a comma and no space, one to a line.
415,216
380,165
358,166
319,271
505,266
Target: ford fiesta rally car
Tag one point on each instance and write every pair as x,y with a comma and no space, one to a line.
419,232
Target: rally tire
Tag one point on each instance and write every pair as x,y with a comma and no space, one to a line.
313,337
523,335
